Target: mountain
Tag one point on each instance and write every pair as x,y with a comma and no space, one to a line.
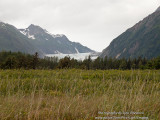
143,39
52,44
158,9
12,40
35,39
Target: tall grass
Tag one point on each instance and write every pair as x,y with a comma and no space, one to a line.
77,94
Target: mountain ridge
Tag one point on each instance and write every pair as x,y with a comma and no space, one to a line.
143,39
12,40
36,39
158,9
51,43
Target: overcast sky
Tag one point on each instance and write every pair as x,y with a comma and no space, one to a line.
93,23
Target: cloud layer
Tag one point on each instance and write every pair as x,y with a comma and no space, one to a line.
94,23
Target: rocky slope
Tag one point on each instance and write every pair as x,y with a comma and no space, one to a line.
52,44
36,39
143,39
12,40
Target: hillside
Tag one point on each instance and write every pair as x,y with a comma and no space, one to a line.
36,39
143,39
52,44
12,40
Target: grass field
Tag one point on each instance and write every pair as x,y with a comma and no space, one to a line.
78,94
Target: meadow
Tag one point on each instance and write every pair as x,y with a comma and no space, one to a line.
74,94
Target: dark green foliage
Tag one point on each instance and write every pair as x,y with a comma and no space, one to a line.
35,60
13,60
64,63
123,64
10,63
87,62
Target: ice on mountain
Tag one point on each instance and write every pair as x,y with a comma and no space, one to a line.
3,25
31,36
57,52
23,32
77,50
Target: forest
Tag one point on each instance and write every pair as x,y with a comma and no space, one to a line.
18,60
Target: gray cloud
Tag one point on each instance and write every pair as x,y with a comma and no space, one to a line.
94,23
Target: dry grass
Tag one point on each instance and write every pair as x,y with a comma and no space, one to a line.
77,94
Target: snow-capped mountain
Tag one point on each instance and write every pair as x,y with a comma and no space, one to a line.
36,39
12,40
52,43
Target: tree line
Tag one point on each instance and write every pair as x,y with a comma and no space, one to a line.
18,60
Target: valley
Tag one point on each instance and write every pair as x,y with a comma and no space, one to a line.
46,76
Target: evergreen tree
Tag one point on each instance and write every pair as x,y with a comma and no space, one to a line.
64,63
35,61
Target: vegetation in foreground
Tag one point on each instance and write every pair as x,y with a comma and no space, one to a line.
75,94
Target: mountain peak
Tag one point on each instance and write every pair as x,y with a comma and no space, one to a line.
36,39
2,22
32,26
158,9
35,29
